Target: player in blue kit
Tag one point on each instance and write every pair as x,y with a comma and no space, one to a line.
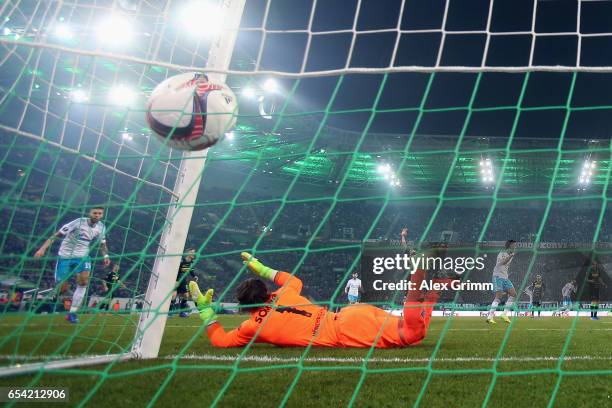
501,283
73,255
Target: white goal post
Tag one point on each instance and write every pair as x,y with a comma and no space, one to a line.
153,318
161,284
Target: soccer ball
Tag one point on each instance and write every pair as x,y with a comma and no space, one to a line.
189,112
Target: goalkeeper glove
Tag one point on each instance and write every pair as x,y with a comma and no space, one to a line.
257,267
204,303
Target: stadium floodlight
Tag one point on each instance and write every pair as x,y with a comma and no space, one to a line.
125,135
384,168
115,31
270,85
229,135
63,31
6,31
486,170
79,96
248,92
193,18
586,173
121,95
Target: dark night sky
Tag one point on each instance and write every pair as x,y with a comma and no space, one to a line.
329,49
284,52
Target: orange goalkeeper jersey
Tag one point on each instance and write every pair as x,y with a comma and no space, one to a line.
295,321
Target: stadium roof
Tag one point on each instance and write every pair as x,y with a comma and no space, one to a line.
529,164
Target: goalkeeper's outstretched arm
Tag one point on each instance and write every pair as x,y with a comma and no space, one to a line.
282,279
216,333
258,295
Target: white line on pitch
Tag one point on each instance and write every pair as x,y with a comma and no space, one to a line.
276,359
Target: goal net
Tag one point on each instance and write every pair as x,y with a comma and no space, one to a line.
467,122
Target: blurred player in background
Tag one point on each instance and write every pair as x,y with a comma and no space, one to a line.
182,282
404,242
537,289
286,318
110,284
353,288
567,291
404,236
77,237
595,282
501,283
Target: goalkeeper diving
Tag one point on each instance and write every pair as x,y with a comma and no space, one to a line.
286,318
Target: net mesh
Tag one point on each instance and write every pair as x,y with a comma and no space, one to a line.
431,90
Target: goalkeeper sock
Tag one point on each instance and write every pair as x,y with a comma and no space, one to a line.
592,310
257,267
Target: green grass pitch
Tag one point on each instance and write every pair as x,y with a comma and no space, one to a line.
461,363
